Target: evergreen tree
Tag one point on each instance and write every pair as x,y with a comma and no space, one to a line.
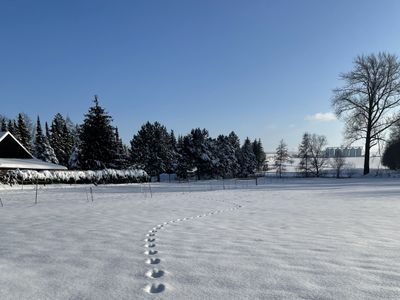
391,154
10,127
199,152
61,139
121,159
48,135
42,148
248,161
281,157
74,159
227,160
259,153
73,131
24,135
234,143
97,139
14,128
182,158
151,148
305,155
38,144
173,162
3,125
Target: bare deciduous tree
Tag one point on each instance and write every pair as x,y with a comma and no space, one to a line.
317,151
312,154
338,162
369,100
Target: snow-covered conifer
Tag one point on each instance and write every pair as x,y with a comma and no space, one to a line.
3,125
151,148
24,132
97,139
248,161
42,148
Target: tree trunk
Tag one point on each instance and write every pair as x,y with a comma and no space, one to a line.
367,152
158,177
306,165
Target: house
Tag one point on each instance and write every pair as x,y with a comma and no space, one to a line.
13,155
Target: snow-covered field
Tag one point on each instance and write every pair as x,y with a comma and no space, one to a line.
353,166
282,239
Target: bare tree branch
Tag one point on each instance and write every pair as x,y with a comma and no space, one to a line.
369,100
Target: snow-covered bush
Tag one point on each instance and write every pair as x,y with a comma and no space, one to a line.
99,176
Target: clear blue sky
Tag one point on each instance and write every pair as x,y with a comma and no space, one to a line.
256,67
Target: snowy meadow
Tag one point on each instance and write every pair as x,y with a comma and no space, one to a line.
282,239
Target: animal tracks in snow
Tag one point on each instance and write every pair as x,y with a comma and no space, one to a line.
155,273
151,252
154,288
150,244
153,261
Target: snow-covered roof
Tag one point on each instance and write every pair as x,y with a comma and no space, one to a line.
28,163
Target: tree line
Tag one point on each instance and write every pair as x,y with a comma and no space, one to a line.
96,145
368,102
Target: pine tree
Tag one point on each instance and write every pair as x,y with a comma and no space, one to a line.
182,158
24,134
173,159
42,148
121,158
151,148
10,127
73,131
248,161
259,153
3,125
304,153
227,160
391,154
48,135
61,139
97,139
199,152
38,144
234,143
14,129
281,157
74,159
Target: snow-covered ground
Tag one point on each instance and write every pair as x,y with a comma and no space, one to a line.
282,239
353,166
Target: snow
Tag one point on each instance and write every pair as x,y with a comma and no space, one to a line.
282,239
33,164
353,166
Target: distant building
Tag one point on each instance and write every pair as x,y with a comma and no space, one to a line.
344,151
13,155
